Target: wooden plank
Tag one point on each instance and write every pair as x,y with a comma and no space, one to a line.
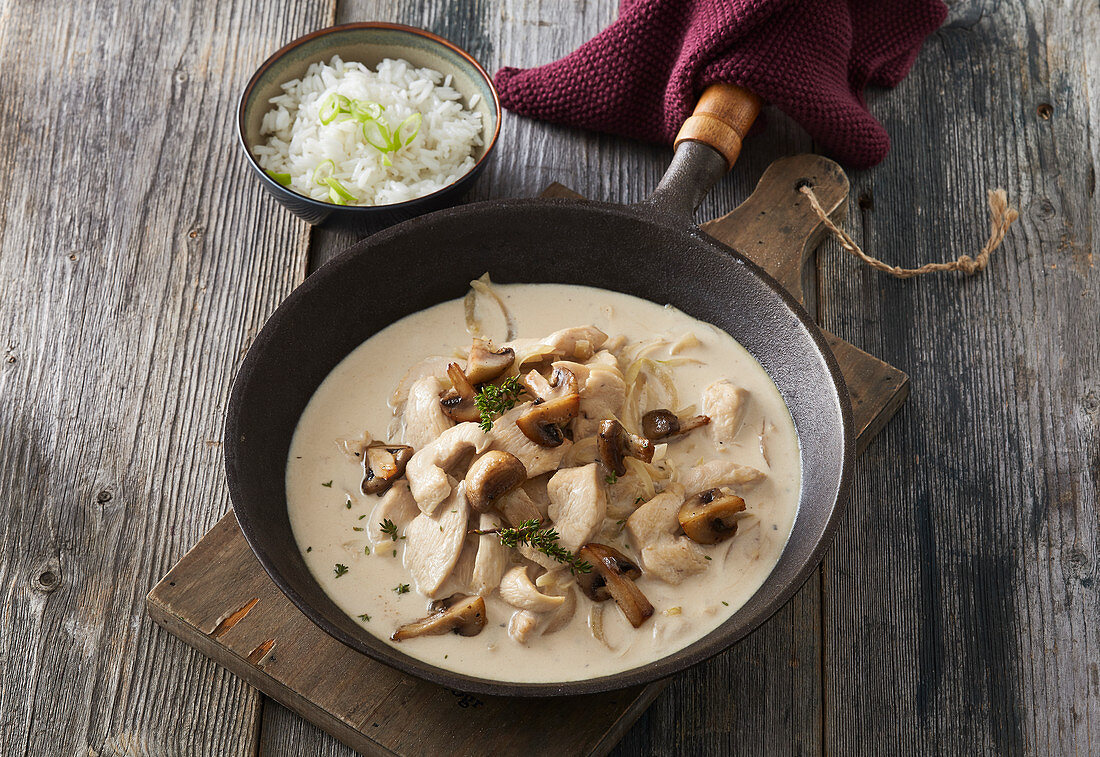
137,256
220,601
961,603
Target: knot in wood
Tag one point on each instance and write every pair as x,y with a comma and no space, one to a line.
46,579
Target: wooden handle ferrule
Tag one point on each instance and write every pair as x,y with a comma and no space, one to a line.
721,119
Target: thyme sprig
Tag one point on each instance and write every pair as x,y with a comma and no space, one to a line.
545,540
494,400
389,527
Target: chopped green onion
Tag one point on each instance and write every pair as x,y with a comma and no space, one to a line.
383,134
418,119
282,178
327,168
337,193
365,110
333,106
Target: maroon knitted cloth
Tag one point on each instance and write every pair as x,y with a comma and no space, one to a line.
640,77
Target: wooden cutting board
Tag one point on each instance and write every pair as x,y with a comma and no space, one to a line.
219,600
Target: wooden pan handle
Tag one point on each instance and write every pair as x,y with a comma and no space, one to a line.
721,119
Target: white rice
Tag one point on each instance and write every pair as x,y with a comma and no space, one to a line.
297,141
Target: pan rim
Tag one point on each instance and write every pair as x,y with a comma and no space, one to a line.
698,651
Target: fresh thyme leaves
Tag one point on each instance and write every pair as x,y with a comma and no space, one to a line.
545,540
366,549
362,516
401,588
340,569
328,484
395,553
706,557
364,617
309,549
495,400
639,499
727,604
348,504
612,477
356,528
389,527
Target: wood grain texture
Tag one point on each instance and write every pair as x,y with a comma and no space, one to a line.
136,258
962,612
219,600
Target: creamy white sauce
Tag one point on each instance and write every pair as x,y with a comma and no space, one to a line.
354,397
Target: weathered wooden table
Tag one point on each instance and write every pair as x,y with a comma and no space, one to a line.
958,611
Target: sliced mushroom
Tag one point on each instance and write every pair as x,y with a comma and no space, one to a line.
594,583
517,590
612,577
662,423
492,476
542,422
711,516
382,465
458,613
615,443
562,383
484,364
458,402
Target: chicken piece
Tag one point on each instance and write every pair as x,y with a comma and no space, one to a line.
491,559
517,508
628,492
714,474
424,418
580,342
397,506
523,624
429,366
427,470
602,391
507,437
652,532
517,590
433,542
536,490
578,505
724,404
576,342
463,571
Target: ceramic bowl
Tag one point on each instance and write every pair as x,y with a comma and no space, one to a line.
368,43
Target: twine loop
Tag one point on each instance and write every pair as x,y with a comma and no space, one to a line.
1001,217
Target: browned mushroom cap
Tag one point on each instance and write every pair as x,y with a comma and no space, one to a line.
711,516
542,423
460,613
615,442
612,577
594,584
484,364
662,423
458,403
493,475
382,465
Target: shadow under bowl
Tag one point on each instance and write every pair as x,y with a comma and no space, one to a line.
368,43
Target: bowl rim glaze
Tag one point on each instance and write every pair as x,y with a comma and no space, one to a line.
384,25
